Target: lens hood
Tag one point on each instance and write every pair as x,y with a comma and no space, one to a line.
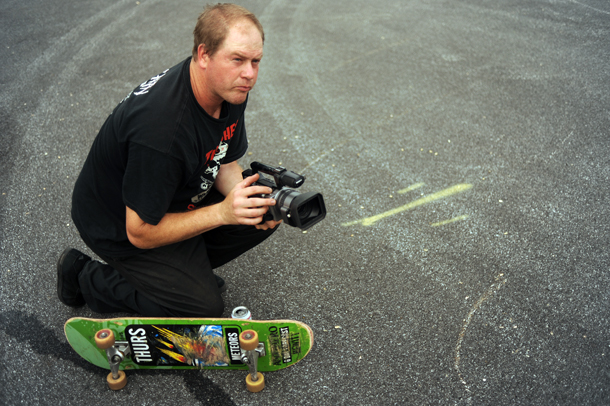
306,209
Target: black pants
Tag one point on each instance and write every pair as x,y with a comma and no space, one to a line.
171,281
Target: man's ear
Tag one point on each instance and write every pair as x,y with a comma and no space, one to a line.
202,56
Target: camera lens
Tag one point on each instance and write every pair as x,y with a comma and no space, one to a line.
307,209
298,210
304,211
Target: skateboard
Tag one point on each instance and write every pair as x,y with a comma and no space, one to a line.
124,344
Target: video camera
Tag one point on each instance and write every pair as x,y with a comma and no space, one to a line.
301,210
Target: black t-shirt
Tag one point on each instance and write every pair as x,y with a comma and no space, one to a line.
158,152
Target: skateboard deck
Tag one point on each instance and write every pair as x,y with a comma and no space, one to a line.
121,344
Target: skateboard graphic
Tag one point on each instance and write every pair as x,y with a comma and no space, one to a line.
124,344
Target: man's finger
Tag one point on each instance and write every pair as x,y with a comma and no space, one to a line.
250,180
259,201
256,190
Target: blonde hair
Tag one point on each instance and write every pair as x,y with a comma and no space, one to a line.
213,25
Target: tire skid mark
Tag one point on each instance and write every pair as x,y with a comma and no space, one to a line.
500,281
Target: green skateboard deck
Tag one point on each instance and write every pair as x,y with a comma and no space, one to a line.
184,343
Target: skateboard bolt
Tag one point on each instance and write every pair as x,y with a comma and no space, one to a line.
248,336
103,334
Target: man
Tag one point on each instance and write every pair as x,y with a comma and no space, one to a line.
161,197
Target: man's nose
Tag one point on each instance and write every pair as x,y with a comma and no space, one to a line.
249,71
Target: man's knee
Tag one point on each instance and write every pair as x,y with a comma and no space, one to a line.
210,307
216,308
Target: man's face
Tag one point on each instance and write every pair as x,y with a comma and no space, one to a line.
232,71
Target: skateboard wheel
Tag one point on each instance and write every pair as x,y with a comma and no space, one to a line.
104,339
255,386
119,383
248,340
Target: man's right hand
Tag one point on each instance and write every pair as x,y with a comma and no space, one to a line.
239,207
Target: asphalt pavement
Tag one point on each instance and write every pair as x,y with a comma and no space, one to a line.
463,151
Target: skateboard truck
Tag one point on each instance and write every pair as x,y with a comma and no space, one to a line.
251,349
116,351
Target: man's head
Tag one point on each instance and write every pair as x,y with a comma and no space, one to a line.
225,68
214,23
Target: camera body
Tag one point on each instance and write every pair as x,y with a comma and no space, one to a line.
301,210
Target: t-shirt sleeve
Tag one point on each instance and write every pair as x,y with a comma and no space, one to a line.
239,142
150,182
